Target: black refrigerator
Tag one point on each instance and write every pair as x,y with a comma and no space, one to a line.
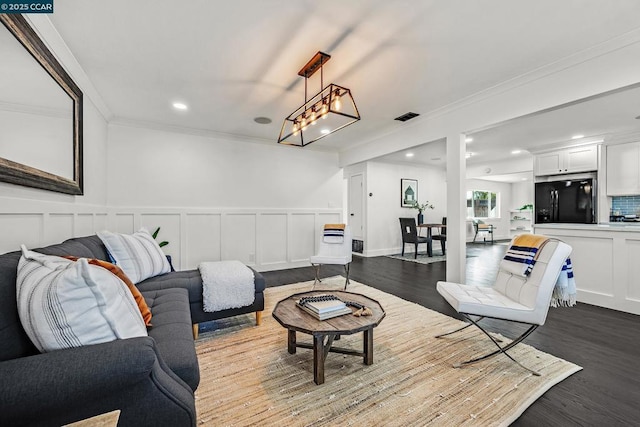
567,201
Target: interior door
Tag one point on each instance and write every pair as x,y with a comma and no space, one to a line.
356,206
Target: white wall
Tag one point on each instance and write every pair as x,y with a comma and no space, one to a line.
383,207
160,168
222,199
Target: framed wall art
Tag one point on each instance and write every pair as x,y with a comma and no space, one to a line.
408,192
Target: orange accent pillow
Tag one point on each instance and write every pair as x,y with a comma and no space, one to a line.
142,304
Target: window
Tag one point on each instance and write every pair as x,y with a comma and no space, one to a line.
482,204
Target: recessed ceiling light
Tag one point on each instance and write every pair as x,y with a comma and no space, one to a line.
468,154
516,151
325,131
577,136
523,179
468,139
262,120
180,106
409,154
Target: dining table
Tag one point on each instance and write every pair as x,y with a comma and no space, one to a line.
430,226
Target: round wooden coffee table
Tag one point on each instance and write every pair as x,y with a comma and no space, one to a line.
324,332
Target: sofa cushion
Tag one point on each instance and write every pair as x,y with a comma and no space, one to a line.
65,304
172,332
114,269
82,247
192,281
137,254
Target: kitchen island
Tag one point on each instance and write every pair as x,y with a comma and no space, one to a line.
606,261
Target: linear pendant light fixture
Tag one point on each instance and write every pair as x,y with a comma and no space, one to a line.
330,110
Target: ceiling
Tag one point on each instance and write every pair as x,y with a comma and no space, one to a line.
597,119
233,61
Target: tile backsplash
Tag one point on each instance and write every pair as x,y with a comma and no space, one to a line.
627,205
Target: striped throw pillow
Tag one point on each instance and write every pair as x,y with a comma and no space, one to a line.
65,304
114,269
137,254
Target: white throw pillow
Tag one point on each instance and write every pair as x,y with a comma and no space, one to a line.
137,254
64,304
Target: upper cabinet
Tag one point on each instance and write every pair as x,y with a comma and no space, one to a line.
568,160
623,169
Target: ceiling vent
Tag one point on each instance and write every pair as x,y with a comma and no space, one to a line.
406,116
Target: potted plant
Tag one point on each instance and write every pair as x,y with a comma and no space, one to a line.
421,208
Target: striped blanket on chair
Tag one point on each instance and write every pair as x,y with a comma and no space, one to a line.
333,233
521,258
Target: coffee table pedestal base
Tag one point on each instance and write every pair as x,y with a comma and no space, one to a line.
322,345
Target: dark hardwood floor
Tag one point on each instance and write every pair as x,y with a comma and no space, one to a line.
606,343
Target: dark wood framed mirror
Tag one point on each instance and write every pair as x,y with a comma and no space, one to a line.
40,114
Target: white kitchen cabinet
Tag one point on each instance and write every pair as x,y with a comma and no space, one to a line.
569,160
623,169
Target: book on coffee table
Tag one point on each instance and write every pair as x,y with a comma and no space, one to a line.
323,307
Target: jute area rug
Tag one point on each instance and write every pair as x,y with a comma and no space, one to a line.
249,378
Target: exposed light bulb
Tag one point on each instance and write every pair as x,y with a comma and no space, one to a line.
325,108
313,117
303,122
295,128
337,103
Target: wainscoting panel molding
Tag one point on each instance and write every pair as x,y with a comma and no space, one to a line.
124,223
301,239
84,225
239,237
17,229
203,238
272,240
266,239
59,227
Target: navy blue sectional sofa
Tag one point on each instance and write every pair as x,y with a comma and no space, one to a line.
151,380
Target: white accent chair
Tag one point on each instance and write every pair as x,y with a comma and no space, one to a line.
512,298
335,254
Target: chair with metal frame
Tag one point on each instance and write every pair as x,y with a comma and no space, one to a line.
512,298
480,226
335,254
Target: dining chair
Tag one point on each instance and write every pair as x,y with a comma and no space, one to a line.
512,298
410,235
442,236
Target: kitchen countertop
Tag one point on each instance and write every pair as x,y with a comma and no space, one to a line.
603,226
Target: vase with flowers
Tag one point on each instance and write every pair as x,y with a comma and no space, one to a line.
421,208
